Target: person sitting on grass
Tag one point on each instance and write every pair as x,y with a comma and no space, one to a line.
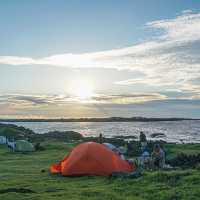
158,157
145,159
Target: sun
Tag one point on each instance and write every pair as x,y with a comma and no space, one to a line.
82,89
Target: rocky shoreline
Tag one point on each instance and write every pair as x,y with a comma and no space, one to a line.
19,132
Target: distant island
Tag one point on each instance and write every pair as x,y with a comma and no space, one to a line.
106,119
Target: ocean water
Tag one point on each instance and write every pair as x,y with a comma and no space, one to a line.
174,131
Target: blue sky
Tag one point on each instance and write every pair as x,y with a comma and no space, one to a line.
99,58
40,28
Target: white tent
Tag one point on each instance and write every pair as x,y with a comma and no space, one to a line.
3,140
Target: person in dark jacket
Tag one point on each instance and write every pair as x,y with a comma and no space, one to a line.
158,157
100,138
143,141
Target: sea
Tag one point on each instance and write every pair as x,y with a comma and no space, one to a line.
187,131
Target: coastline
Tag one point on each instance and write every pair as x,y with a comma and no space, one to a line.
20,132
107,119
171,131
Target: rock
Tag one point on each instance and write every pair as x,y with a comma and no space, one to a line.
64,135
157,135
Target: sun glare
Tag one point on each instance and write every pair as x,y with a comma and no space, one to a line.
83,90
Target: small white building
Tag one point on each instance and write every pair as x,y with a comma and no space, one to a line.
3,140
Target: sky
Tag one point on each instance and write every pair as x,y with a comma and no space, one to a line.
99,58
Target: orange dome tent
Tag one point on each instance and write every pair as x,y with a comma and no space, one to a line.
91,158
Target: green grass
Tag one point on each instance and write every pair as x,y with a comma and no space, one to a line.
174,149
24,171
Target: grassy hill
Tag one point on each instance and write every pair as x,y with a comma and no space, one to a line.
13,131
26,176
18,132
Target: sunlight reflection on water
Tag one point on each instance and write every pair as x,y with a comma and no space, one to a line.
175,131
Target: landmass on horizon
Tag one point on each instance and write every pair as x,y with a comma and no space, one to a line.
103,119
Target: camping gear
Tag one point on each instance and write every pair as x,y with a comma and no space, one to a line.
120,150
111,147
91,158
23,146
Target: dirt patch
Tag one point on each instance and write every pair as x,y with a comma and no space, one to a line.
17,190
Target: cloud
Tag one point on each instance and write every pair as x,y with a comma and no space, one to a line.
149,81
128,98
25,100
53,106
183,28
14,60
156,108
28,101
171,59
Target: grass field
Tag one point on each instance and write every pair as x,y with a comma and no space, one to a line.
21,177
